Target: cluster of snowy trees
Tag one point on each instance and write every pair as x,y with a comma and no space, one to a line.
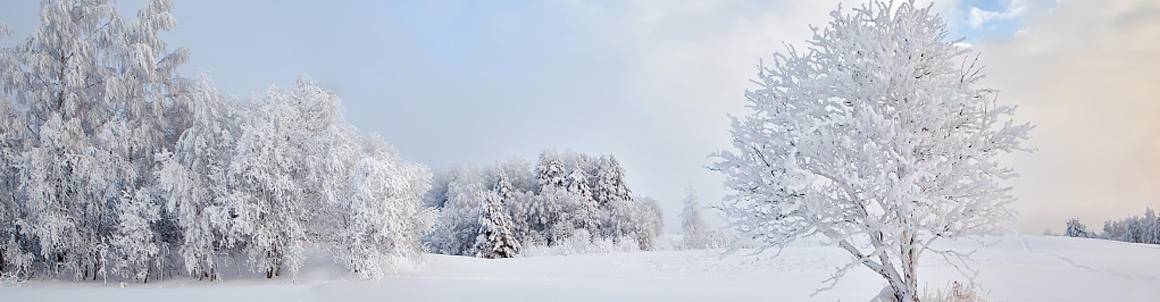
495,211
114,165
1137,229
877,137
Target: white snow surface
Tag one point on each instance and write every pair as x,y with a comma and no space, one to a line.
1012,268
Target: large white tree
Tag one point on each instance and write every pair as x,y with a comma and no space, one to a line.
877,137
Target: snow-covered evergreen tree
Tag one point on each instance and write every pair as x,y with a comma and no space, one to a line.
876,137
584,213
550,171
1076,229
610,181
495,239
1151,228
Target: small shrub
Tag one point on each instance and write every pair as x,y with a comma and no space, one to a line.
955,292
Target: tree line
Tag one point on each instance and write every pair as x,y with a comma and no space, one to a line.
112,164
1136,229
493,212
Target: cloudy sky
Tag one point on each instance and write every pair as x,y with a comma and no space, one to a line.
652,81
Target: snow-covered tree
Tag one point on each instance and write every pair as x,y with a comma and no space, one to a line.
135,245
613,198
495,239
192,181
1151,228
457,224
696,233
15,252
284,167
92,91
1076,229
384,217
610,181
550,171
651,215
585,213
875,134
111,163
1145,229
523,208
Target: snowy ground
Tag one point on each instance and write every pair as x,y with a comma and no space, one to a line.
1014,268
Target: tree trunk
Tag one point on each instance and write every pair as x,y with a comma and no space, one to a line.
909,273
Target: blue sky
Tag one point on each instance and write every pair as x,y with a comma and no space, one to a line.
473,82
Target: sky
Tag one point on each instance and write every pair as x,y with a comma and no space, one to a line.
652,82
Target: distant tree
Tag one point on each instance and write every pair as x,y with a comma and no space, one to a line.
696,233
550,171
1151,228
1076,229
653,216
1136,229
565,194
875,137
610,181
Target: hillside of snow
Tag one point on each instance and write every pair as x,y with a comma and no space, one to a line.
1012,268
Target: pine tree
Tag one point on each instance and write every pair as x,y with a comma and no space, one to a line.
550,170
1076,229
495,239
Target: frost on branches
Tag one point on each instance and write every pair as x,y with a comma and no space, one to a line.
875,137
114,165
565,194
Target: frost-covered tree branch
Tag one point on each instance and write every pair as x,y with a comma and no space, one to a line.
874,137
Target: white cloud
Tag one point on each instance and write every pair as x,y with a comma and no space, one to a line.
1086,74
978,17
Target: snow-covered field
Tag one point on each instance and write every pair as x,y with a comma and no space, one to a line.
1013,268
